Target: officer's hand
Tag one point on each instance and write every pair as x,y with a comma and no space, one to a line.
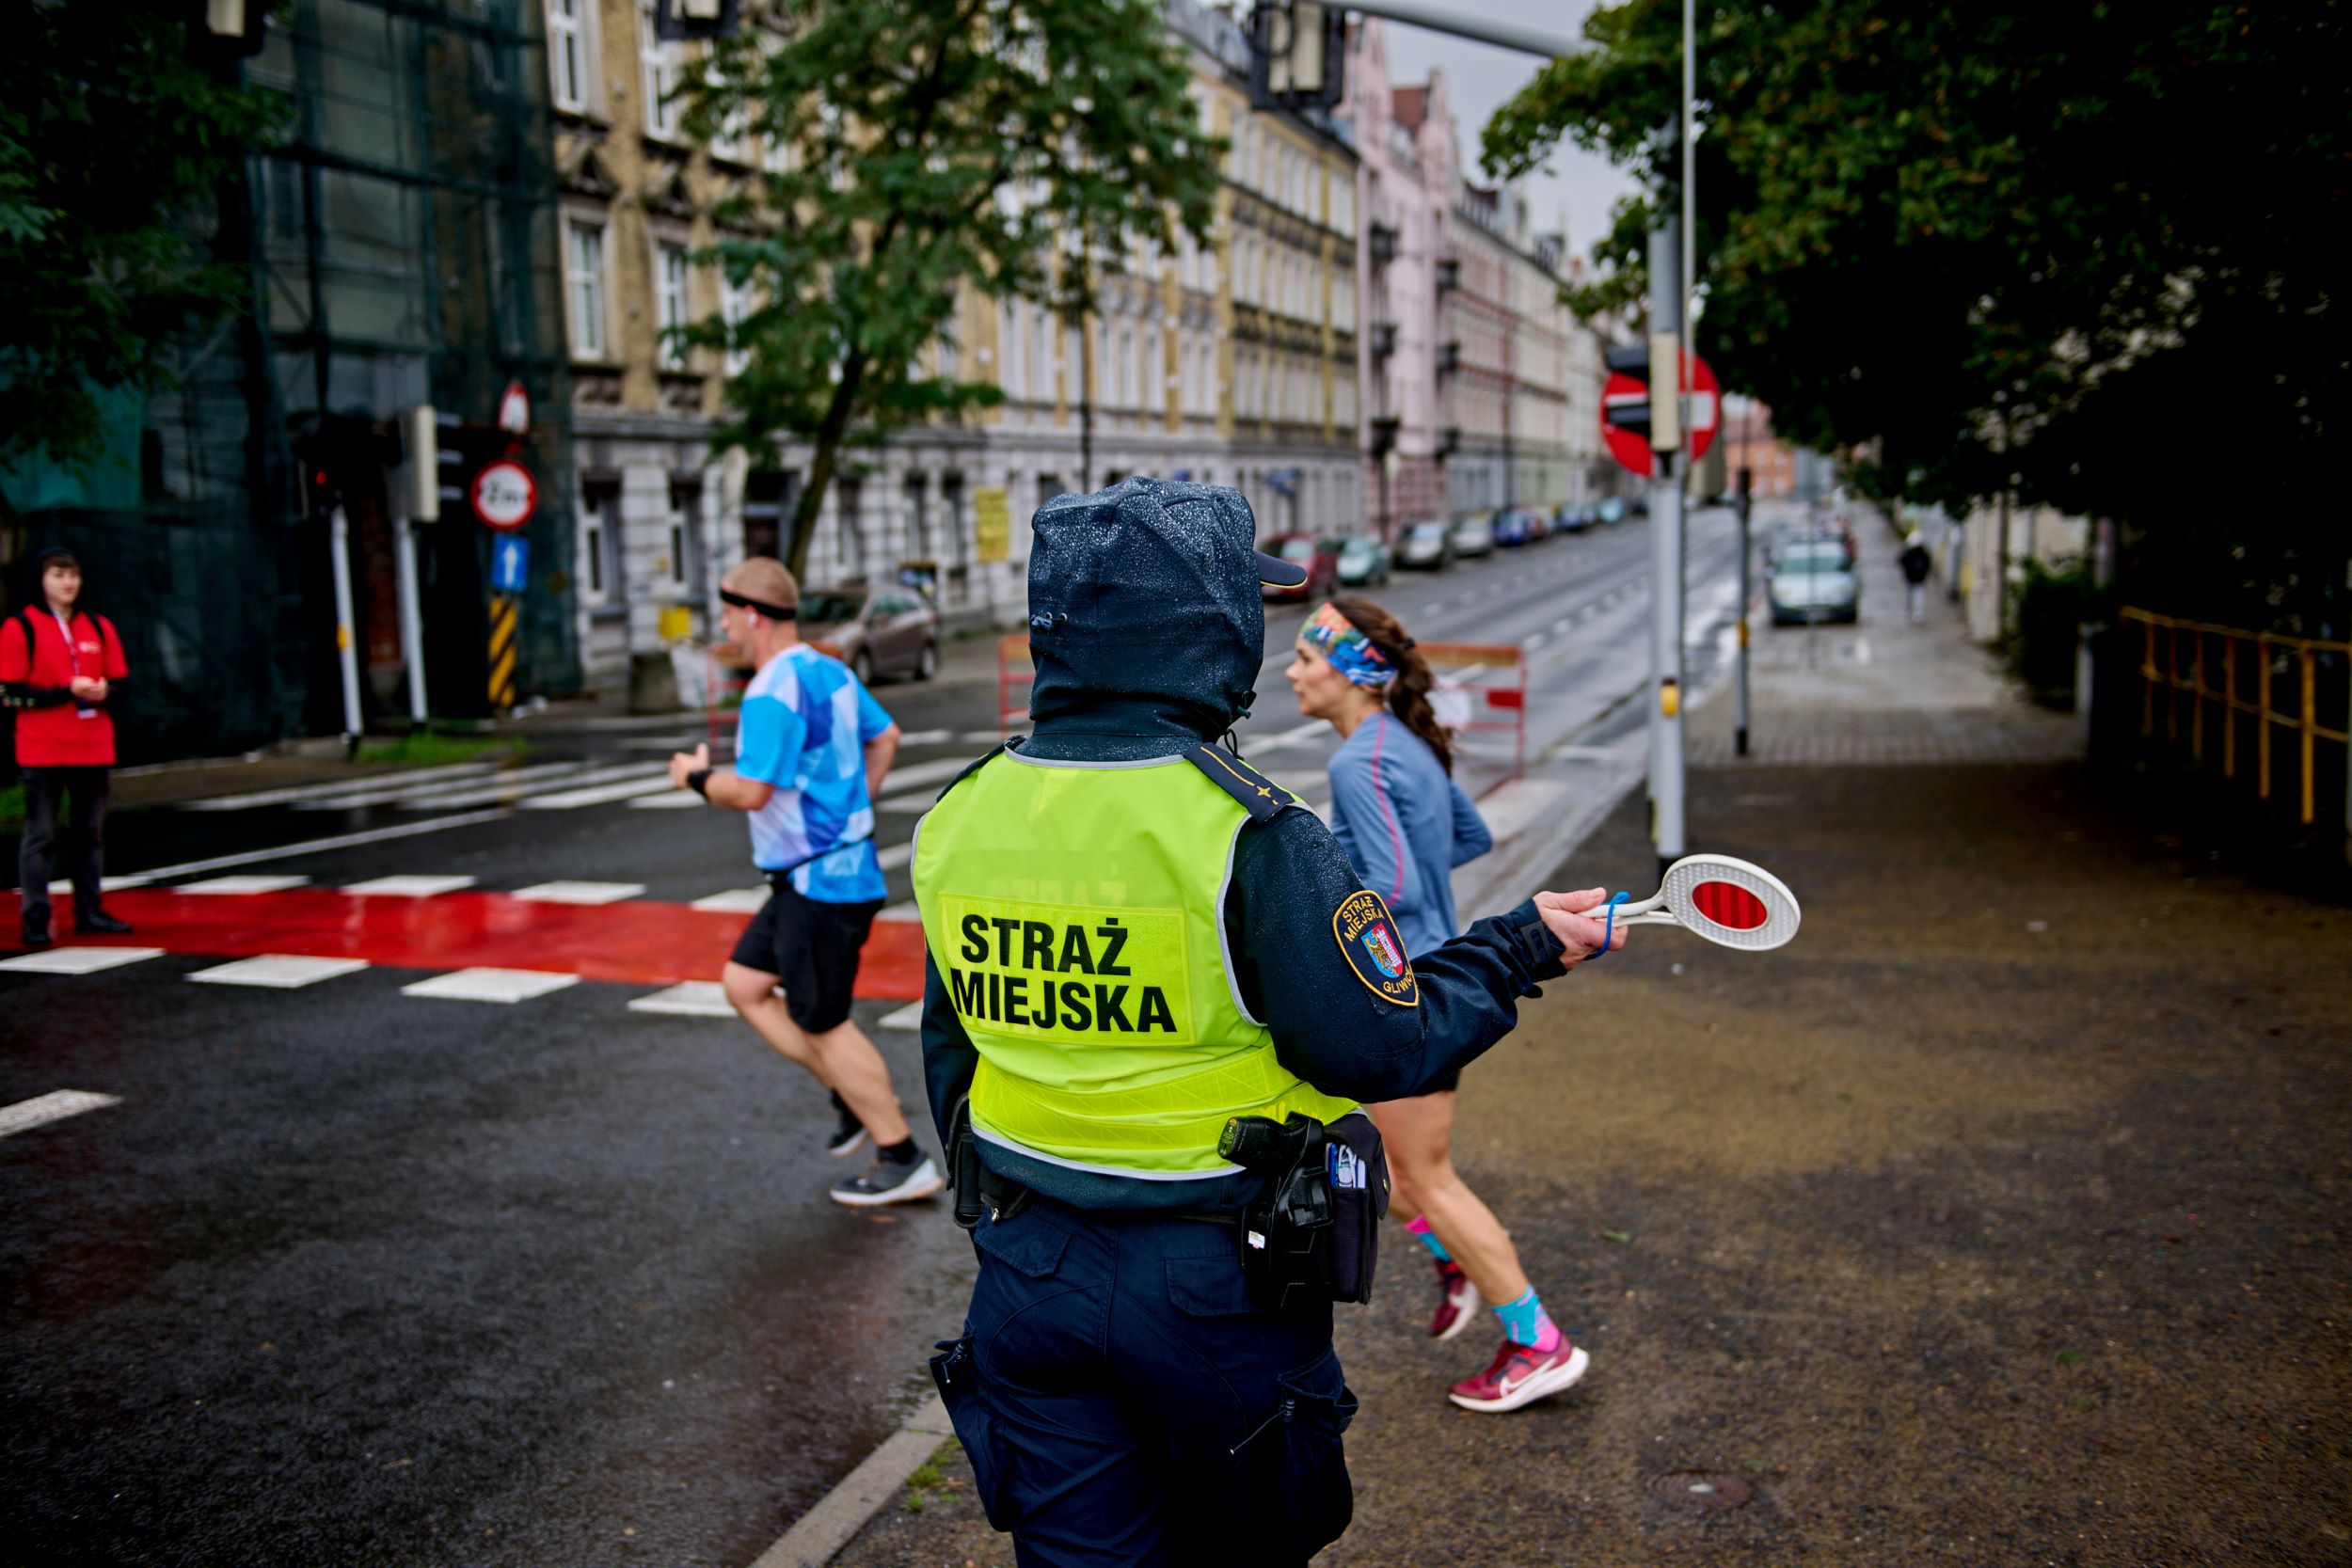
1578,933
683,763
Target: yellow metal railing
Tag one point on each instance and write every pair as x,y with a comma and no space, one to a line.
2177,656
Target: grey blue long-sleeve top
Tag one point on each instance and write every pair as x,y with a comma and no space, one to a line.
1405,824
1328,1028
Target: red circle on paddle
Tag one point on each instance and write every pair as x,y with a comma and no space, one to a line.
1730,905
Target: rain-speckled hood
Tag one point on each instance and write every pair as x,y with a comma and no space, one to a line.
1144,608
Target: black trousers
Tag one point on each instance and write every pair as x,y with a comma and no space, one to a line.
45,790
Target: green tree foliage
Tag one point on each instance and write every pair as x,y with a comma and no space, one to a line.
996,142
2089,251
112,134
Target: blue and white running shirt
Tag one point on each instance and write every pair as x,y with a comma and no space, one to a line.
803,729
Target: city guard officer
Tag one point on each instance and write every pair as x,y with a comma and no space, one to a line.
1135,938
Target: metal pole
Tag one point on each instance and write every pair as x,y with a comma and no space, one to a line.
1686,318
1665,518
412,616
1747,502
347,654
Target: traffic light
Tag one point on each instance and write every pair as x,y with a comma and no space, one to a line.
1629,414
1658,418
1298,54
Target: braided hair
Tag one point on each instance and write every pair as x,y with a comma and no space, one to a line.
1408,694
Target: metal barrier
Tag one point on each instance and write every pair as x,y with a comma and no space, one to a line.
1011,649
2167,639
1486,697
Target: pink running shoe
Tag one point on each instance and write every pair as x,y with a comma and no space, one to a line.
1458,1301
1521,1376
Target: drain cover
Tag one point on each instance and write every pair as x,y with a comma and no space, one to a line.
1703,1489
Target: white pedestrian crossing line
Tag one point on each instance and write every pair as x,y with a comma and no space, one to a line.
579,893
499,791
600,795
670,799
926,737
507,986
78,960
688,999
240,887
408,887
740,901
896,856
931,772
1512,806
56,1105
474,790
106,884
253,799
909,1017
905,914
278,970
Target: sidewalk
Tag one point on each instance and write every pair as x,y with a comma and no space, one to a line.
1998,1220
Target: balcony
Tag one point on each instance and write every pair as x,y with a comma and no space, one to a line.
1383,244
1383,340
1449,358
1448,274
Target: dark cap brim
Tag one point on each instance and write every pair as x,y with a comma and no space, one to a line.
1274,572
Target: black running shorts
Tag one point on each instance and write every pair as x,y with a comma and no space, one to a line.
812,949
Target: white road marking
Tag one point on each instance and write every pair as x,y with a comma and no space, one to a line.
239,887
408,887
896,856
688,999
905,914
909,1017
278,970
1280,738
1532,641
740,901
106,884
980,737
56,1105
339,786
461,792
924,772
78,960
910,804
337,841
490,985
495,791
926,738
577,893
670,799
1509,808
600,795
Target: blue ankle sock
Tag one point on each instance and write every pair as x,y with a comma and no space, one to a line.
1526,1322
1419,1226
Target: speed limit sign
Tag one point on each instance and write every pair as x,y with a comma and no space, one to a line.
504,495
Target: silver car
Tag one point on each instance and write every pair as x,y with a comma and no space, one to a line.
1475,534
874,631
1811,579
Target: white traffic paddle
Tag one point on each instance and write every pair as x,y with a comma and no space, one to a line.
1725,900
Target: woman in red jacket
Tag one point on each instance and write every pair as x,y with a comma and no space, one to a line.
59,667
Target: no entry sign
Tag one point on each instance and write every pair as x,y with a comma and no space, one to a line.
504,495
1630,448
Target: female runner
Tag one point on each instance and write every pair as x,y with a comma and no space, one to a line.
1406,825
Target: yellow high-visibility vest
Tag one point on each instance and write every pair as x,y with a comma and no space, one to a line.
1075,912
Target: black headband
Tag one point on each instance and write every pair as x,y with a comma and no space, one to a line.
774,612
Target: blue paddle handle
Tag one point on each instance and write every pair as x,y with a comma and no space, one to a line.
1609,927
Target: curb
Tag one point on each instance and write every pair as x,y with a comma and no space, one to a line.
840,1514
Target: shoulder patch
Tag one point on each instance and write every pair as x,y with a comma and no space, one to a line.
1260,796
1367,939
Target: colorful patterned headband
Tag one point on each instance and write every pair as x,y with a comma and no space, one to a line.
1349,651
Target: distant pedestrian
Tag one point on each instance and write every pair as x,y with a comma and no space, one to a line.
59,665
1406,825
1915,563
811,747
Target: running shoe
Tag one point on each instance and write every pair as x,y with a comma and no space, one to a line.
847,1136
887,1182
1521,1376
1458,1301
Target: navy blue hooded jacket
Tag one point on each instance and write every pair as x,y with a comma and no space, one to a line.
1148,632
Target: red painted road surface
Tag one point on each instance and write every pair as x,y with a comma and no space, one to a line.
635,941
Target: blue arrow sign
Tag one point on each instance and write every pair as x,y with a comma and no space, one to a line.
510,563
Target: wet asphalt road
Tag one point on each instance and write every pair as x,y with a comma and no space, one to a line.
350,1275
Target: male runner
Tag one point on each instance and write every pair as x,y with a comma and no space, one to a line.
811,746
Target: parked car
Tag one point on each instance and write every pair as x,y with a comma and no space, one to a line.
1612,511
1539,524
1364,562
874,631
1475,534
1321,557
1426,546
1811,579
1576,516
1509,530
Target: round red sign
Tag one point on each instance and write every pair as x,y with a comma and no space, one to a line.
1630,448
504,495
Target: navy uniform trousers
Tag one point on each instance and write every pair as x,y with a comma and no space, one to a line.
1124,1403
